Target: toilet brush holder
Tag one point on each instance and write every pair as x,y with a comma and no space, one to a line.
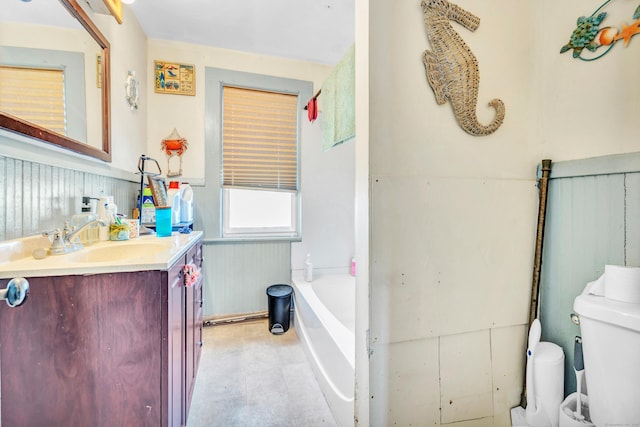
567,413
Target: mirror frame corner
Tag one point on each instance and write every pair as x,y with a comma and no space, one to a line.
20,126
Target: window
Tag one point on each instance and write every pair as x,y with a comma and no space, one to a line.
72,88
34,94
259,162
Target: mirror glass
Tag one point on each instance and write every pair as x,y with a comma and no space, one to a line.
57,35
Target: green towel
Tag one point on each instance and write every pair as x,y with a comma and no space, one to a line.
338,103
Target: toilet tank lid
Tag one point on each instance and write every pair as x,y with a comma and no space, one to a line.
605,310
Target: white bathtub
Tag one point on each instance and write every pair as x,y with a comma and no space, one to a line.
324,320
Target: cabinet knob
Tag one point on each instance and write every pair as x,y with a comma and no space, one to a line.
200,343
16,292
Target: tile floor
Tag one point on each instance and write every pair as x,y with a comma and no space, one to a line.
250,377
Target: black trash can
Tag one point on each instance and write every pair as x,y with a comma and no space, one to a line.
279,308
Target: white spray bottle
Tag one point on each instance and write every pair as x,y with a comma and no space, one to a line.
308,269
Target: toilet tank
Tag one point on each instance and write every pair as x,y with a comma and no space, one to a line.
611,347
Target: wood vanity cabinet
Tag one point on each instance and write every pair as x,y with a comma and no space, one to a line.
114,349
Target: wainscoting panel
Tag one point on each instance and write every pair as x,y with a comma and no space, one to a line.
35,197
593,219
238,274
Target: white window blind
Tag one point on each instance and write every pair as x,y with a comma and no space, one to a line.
34,94
259,139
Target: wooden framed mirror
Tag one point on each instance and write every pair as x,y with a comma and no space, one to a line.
100,149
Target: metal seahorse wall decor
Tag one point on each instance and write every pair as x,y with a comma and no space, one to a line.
452,69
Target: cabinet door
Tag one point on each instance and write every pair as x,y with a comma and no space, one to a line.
176,344
83,351
194,322
199,302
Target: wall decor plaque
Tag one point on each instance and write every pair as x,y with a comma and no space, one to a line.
451,67
175,78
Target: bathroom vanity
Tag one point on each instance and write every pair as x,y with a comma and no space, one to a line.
102,342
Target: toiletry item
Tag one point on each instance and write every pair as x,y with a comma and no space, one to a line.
353,266
89,235
103,215
163,221
134,227
103,233
308,269
186,203
39,253
119,231
89,204
113,209
148,214
174,200
101,209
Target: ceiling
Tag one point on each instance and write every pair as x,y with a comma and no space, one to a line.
318,31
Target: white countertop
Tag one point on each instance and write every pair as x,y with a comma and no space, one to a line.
80,262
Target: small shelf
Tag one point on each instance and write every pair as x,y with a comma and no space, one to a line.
175,227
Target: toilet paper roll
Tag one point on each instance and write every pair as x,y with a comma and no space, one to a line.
622,283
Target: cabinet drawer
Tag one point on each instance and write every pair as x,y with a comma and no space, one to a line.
198,293
176,275
194,255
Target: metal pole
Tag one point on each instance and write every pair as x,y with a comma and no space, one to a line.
543,186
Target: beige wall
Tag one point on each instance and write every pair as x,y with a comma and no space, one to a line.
453,216
186,113
585,109
128,128
128,52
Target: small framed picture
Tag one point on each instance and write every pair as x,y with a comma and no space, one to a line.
175,78
98,70
158,190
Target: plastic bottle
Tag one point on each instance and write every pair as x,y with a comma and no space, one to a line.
353,266
186,202
103,215
174,200
148,210
112,209
101,209
89,235
308,269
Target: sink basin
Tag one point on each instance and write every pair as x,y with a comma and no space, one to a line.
145,253
116,252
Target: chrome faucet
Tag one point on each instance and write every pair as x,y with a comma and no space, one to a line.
62,241
58,246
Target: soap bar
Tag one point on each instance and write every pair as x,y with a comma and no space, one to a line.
40,253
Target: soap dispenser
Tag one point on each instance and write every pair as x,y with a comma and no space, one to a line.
308,269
